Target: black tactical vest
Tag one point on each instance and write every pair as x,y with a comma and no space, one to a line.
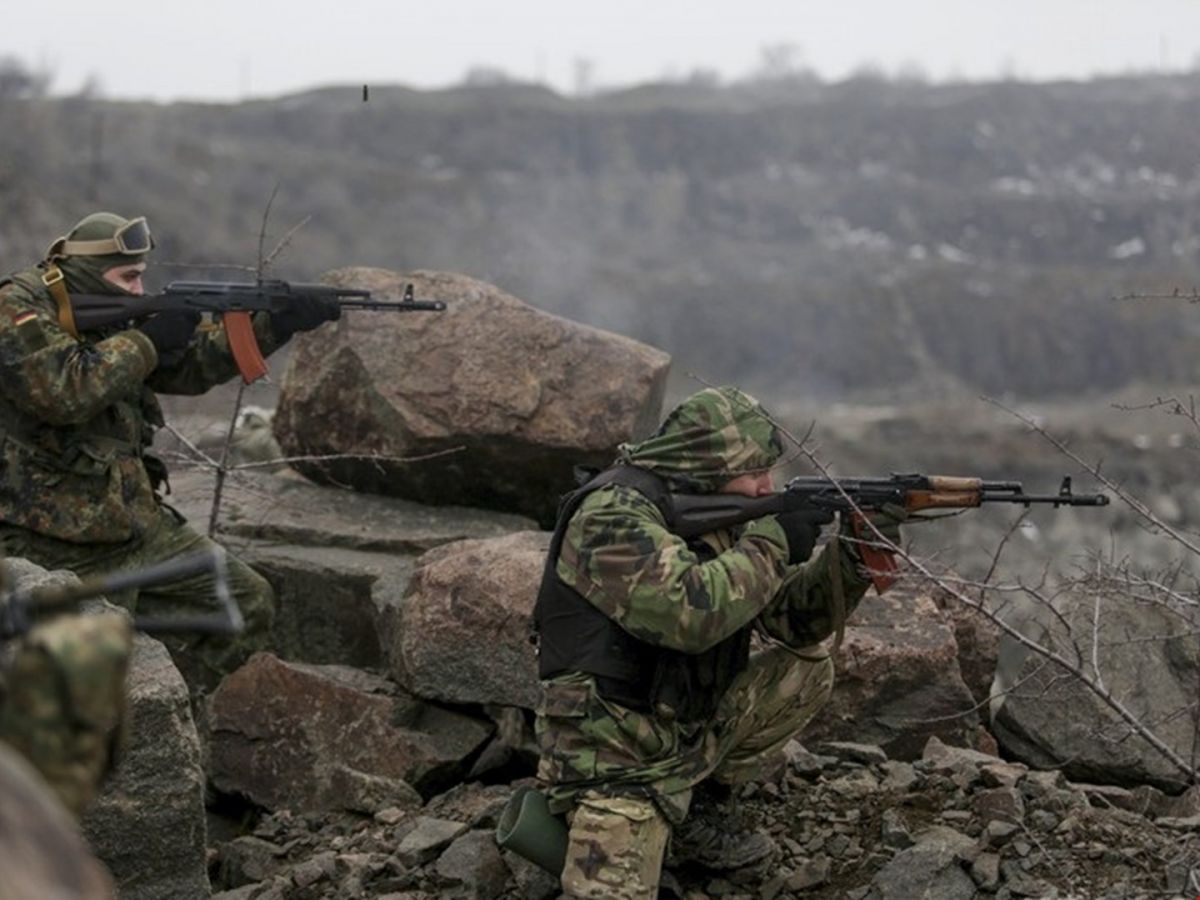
574,636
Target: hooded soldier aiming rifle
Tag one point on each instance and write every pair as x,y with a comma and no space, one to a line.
680,622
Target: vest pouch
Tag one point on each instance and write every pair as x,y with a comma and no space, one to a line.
77,498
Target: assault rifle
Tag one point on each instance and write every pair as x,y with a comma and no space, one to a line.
20,608
234,302
696,514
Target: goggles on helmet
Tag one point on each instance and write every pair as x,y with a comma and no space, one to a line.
132,239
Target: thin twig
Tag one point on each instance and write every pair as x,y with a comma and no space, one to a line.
223,465
1192,296
179,436
1071,668
283,242
219,485
1012,529
1094,470
328,457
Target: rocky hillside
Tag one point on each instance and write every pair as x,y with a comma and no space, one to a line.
851,823
790,236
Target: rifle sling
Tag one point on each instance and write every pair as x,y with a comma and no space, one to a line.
53,280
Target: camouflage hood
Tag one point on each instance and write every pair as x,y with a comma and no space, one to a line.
712,436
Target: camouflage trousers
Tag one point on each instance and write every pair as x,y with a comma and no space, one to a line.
62,701
623,814
202,659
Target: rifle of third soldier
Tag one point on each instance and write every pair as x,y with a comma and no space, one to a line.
234,302
696,514
19,609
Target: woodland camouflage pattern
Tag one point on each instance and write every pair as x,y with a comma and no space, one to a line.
77,415
715,435
77,487
618,554
63,701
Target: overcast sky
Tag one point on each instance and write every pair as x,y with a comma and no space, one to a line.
232,49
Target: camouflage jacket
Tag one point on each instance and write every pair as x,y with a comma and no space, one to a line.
618,553
77,415
662,591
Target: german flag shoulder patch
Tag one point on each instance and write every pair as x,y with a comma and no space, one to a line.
28,331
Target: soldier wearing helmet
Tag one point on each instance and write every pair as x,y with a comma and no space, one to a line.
79,489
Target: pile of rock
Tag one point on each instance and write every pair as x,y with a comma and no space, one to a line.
849,821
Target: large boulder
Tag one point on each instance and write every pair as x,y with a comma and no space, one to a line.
977,636
464,632
512,397
303,737
898,678
264,507
332,605
148,824
338,561
1148,659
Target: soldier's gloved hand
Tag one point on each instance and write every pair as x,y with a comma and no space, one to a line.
802,528
170,330
303,313
887,520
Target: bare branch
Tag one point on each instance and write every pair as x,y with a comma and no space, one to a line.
1094,470
222,466
219,486
1192,296
1074,669
262,230
369,457
1012,529
283,243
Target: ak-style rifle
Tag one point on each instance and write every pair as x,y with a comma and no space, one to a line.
20,609
233,302
696,514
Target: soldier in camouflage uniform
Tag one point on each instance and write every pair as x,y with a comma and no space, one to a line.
654,702
62,700
78,488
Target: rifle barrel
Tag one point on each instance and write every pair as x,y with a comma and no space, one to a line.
401,305
1054,499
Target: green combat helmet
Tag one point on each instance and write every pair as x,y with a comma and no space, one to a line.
97,243
113,238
